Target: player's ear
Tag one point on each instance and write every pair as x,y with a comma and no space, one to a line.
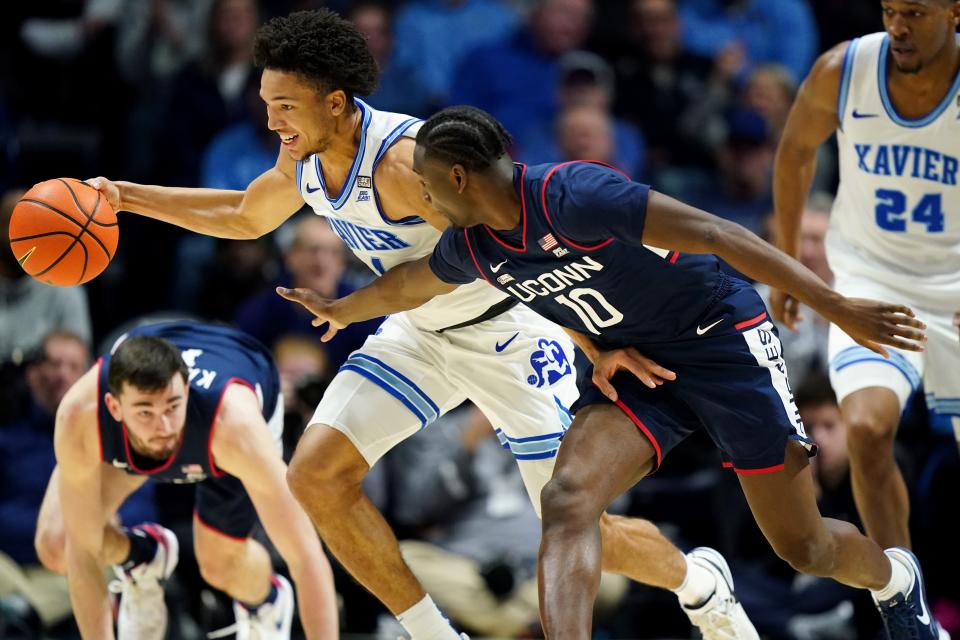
336,102
459,176
113,406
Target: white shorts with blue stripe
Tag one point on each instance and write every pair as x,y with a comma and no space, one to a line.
853,367
516,368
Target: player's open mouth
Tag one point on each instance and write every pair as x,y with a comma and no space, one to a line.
288,140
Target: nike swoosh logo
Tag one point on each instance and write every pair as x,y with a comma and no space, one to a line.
501,347
857,114
312,189
497,268
924,618
22,259
703,330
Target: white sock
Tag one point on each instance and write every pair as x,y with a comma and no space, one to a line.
423,621
901,578
698,585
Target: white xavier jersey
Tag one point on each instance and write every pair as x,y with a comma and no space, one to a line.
381,243
896,218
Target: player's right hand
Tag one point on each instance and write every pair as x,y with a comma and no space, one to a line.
324,308
608,363
785,309
109,190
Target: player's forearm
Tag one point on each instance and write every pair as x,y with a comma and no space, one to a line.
793,175
760,260
317,599
212,212
88,596
404,287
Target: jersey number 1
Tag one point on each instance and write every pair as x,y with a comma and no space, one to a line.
578,301
892,205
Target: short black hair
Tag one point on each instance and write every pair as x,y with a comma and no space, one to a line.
145,362
814,391
321,47
464,135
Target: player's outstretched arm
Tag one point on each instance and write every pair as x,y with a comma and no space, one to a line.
404,287
243,446
671,223
78,460
240,215
813,118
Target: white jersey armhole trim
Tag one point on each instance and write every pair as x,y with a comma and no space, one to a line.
846,73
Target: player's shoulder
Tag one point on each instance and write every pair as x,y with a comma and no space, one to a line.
239,411
76,433
582,178
827,69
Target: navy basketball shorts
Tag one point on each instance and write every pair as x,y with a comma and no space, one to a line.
731,381
223,505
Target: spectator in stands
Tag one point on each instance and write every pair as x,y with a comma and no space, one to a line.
782,31
741,190
209,94
806,348
157,38
516,79
433,37
243,151
315,259
30,309
675,96
26,449
770,91
401,87
586,86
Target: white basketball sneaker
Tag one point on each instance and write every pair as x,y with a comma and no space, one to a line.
269,621
143,612
721,616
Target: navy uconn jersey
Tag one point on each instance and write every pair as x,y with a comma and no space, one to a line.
216,357
577,258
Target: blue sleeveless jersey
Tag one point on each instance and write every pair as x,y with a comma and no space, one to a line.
216,356
577,259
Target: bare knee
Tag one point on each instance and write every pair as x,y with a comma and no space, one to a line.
51,549
218,570
325,467
812,555
564,501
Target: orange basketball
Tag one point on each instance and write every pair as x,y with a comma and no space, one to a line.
63,232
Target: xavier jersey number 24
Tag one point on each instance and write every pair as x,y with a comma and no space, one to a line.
896,218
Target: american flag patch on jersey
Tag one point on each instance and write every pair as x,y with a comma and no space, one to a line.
547,242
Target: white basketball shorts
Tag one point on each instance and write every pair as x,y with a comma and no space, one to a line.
517,368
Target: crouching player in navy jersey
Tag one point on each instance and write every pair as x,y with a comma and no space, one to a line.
180,402
631,270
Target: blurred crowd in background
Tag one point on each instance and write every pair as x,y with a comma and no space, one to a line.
689,95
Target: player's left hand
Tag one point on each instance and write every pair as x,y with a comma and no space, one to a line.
608,363
872,324
324,308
